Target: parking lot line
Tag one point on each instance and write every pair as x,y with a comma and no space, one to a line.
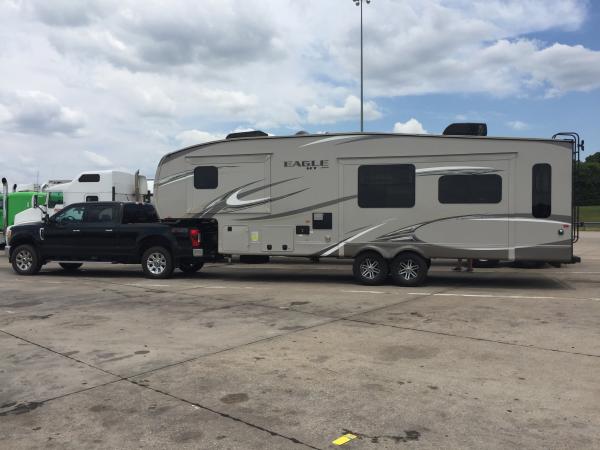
524,297
364,292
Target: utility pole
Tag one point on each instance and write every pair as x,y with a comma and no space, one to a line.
362,120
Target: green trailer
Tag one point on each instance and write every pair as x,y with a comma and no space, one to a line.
17,202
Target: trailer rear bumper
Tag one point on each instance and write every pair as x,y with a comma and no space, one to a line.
575,260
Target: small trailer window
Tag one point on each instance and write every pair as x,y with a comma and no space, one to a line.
466,189
206,177
386,186
541,194
89,178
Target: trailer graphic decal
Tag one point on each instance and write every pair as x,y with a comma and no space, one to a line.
232,200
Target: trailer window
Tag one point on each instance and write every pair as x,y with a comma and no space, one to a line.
91,198
386,186
206,177
541,194
89,178
466,189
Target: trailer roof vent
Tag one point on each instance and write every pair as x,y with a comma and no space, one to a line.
245,134
301,132
466,129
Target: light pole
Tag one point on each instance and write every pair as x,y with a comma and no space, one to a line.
360,3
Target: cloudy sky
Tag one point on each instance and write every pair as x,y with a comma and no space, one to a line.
118,83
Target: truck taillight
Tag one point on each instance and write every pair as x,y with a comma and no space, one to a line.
195,237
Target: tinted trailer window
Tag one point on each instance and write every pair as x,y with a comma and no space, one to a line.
386,186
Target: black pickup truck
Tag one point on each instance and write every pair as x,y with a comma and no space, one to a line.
117,232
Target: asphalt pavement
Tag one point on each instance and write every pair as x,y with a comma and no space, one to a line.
295,355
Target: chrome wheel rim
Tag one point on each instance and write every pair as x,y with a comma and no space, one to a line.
24,260
408,269
157,263
370,268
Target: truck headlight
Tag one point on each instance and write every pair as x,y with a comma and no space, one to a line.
8,235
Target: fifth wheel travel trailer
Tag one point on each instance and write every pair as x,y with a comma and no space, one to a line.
392,202
90,186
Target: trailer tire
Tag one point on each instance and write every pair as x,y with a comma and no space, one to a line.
190,267
70,267
370,268
157,262
409,269
25,260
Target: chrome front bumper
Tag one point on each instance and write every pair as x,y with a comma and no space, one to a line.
7,251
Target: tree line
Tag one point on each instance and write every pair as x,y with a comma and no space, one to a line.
587,188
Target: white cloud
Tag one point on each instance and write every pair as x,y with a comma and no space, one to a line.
517,125
97,160
194,137
127,79
34,112
411,126
350,110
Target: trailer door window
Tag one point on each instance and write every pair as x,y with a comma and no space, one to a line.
206,177
541,195
466,189
386,186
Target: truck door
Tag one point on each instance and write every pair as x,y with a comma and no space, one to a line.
61,234
98,236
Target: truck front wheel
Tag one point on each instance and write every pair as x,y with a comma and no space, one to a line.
157,262
25,260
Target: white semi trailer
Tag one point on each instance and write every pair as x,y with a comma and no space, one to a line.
90,186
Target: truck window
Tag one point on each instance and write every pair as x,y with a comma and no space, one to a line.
541,194
99,214
386,186
69,216
206,177
139,213
466,189
89,178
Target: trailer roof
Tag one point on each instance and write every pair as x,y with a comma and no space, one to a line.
171,155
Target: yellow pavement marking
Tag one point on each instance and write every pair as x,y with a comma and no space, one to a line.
343,439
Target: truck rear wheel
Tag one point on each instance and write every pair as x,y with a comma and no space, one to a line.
25,260
370,268
157,262
70,267
409,269
190,267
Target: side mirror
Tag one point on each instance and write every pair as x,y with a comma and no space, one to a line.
36,205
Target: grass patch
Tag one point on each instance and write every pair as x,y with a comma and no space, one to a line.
590,214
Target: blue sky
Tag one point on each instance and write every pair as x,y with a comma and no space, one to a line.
117,84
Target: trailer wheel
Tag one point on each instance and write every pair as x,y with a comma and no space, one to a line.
409,269
370,268
25,260
190,267
157,263
70,267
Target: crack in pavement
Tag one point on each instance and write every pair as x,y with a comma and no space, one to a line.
473,338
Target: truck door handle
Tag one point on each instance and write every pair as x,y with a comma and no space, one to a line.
108,230
76,231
